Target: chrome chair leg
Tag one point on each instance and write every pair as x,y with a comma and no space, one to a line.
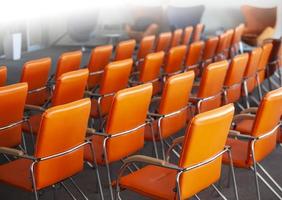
218,191
197,197
68,191
245,88
255,171
233,174
270,177
78,189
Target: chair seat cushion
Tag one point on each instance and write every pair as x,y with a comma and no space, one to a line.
151,181
245,126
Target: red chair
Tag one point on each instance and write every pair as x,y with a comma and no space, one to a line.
199,165
3,75
125,50
35,73
99,58
123,133
58,154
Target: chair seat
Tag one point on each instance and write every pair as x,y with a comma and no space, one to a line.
245,126
240,153
152,181
17,173
34,121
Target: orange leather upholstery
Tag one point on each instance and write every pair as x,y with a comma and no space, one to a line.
267,117
146,46
266,51
150,70
3,75
199,29
126,104
62,128
187,35
251,69
228,43
220,50
163,42
214,75
157,182
237,36
69,87
99,58
67,62
176,37
234,78
209,50
194,56
175,59
35,73
12,101
176,87
125,50
115,78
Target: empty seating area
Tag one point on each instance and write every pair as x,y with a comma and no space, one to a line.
173,114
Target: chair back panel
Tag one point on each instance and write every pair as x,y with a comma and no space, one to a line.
187,35
266,51
163,42
194,53
175,59
69,61
125,50
62,128
199,29
210,48
146,46
12,101
204,138
176,38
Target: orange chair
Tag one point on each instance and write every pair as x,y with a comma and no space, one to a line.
234,78
249,77
227,49
255,136
3,75
35,73
125,50
146,47
236,40
163,42
261,70
198,30
209,50
176,37
69,61
124,129
207,97
69,87
220,50
170,115
12,102
99,58
187,35
60,143
199,165
150,72
175,59
115,78
194,57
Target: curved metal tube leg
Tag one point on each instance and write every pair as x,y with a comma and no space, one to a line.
233,175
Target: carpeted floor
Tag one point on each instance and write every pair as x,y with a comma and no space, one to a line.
87,178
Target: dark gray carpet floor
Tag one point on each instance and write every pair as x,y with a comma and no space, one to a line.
87,178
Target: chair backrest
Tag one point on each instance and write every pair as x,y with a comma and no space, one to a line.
204,138
163,42
187,35
238,32
252,67
234,77
257,19
198,30
62,128
128,111
176,87
125,50
35,73
115,78
99,58
210,48
176,37
3,75
194,54
266,51
67,62
267,117
221,44
213,75
175,59
146,46
12,102
227,48
70,87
